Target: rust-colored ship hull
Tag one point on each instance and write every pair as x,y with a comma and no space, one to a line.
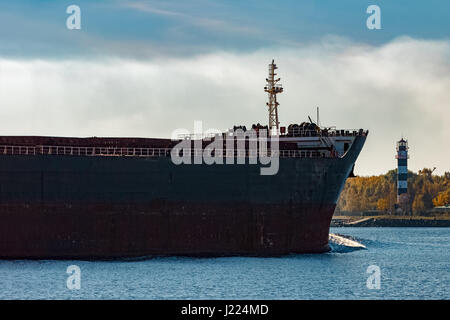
103,207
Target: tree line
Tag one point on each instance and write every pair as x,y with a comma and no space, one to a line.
425,191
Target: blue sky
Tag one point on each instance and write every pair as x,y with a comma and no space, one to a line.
147,68
31,28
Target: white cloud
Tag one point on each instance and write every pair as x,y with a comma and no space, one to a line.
398,88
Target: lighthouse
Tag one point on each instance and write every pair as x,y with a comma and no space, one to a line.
402,170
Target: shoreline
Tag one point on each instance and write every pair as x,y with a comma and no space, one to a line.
390,221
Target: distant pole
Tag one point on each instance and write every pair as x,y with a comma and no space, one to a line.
318,117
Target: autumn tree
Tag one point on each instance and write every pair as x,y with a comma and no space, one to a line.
442,199
425,190
383,204
418,205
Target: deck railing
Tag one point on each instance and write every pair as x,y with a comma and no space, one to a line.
293,132
146,152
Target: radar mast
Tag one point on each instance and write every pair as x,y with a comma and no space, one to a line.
273,88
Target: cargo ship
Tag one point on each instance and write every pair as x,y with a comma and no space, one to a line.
107,198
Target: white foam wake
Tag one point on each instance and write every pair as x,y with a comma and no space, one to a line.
341,243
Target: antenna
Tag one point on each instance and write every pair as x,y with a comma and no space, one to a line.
273,88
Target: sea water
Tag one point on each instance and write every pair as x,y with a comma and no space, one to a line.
396,263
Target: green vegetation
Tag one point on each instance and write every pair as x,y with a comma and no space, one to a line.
425,191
